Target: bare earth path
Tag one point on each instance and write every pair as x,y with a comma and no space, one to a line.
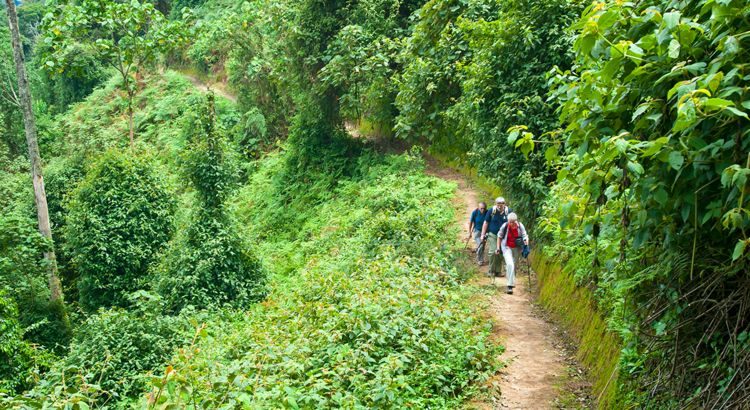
534,365
203,87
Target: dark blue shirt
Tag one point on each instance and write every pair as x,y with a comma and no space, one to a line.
499,219
478,219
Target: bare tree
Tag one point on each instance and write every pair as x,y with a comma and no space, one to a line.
24,99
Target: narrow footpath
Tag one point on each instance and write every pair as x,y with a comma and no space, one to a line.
536,368
205,87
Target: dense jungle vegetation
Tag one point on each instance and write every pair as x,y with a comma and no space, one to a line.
253,254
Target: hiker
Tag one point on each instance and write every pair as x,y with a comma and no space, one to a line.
494,219
475,228
513,239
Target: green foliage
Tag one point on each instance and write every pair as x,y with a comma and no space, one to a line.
120,346
125,36
11,118
209,263
100,122
656,158
318,156
24,276
286,55
373,319
61,176
21,246
15,354
474,70
59,90
119,216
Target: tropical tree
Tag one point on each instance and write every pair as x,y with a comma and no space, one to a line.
24,101
125,36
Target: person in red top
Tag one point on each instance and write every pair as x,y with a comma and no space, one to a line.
513,235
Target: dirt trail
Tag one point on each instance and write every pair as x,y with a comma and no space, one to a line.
203,87
535,365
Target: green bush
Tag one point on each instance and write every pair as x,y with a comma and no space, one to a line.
15,353
24,275
121,346
119,217
210,263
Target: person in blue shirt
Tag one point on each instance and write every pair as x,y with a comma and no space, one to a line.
475,228
495,218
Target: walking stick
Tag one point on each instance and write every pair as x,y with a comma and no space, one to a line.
528,262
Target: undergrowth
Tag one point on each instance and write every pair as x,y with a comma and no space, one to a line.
364,311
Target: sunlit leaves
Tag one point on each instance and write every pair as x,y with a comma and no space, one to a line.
679,103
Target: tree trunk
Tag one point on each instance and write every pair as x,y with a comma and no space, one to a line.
31,140
130,115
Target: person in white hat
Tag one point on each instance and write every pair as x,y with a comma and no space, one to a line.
513,237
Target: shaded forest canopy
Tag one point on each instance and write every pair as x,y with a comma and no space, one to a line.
266,258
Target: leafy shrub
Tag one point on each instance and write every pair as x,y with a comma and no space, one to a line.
24,275
121,346
209,263
119,216
319,155
15,353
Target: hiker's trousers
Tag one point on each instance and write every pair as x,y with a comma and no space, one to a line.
480,245
512,256
493,243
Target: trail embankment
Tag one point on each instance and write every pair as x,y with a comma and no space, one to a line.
598,349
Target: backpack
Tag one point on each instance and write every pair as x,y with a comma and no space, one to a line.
494,209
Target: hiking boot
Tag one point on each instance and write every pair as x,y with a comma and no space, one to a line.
510,290
489,275
500,274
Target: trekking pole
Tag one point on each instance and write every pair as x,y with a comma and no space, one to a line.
528,262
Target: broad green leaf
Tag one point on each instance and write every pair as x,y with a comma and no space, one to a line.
640,110
739,249
653,148
587,43
661,196
672,19
674,49
717,103
608,19
715,81
513,136
635,167
685,212
676,160
736,112
551,153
